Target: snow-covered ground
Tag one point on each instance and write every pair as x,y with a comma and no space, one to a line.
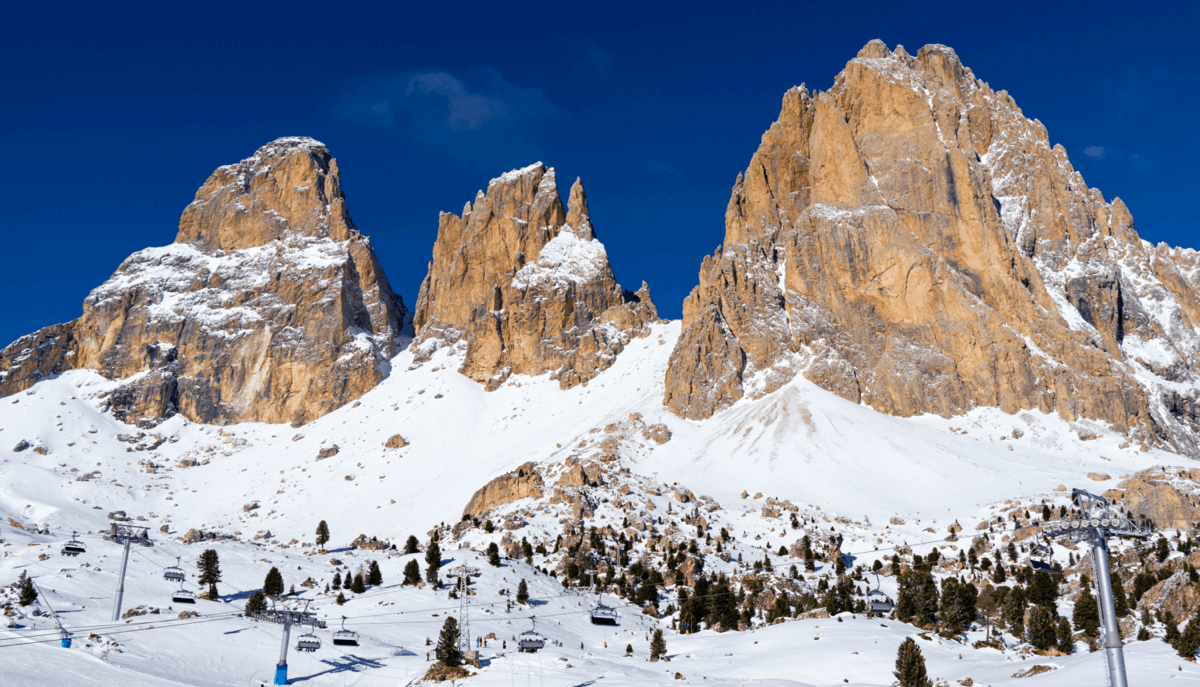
801,444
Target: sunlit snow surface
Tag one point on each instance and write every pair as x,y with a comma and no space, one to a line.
801,444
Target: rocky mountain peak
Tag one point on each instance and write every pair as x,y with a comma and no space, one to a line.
911,241
289,187
270,306
525,284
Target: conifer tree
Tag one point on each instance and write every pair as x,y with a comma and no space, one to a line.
628,649
1087,613
910,665
1188,643
411,545
412,573
1042,633
1065,641
210,571
1014,611
257,603
337,581
28,594
1119,601
433,559
358,586
322,535
658,646
341,598
273,583
493,554
374,574
1043,590
522,592
998,576
447,647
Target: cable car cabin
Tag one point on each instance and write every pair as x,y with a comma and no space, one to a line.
880,604
530,642
603,615
183,596
308,642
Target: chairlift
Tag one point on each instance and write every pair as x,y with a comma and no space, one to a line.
531,641
1041,557
183,596
601,614
308,642
344,637
173,572
877,601
73,547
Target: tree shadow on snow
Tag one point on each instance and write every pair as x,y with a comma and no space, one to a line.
239,596
347,663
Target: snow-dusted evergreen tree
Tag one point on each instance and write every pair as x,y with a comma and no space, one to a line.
322,535
447,647
910,665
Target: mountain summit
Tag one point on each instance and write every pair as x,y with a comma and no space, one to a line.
525,284
270,306
911,241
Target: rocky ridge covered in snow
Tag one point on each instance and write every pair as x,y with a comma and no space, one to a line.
525,284
270,305
911,241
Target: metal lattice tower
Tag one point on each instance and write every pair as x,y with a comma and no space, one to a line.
126,535
1095,525
464,573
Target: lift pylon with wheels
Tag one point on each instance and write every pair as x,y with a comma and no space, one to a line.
287,618
1095,525
126,535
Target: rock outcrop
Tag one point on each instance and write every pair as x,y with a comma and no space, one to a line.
524,482
526,286
270,306
1169,496
911,241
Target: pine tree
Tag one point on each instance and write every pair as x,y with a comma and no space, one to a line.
28,594
998,576
257,603
522,592
1043,590
411,546
358,586
1087,614
341,599
1189,642
337,581
447,647
412,573
910,665
374,574
273,583
493,554
1042,634
322,535
628,649
210,571
1014,611
658,646
433,559
1119,601
1065,641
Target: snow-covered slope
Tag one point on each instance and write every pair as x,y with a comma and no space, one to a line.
835,459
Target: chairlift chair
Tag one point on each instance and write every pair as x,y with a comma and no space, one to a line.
1041,557
183,596
308,642
878,601
531,641
173,572
344,637
73,547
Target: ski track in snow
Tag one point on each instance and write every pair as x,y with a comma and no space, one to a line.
800,443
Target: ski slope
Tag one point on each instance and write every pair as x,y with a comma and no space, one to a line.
836,460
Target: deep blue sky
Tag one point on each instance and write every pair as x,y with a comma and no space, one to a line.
111,121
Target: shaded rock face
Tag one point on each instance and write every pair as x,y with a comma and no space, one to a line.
524,283
270,306
1169,496
911,241
524,482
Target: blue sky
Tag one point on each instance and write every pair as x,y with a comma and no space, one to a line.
111,120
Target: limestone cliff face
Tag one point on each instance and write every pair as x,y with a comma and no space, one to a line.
270,306
525,284
911,241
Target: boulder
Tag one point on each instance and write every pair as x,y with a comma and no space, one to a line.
395,441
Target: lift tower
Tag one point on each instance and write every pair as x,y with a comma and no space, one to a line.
287,618
1095,524
126,534
464,573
